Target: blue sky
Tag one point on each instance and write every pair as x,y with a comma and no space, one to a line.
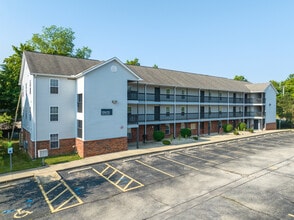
253,38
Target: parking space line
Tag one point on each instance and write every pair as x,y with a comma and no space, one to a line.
174,161
291,215
222,155
53,188
78,170
123,175
61,206
189,155
151,167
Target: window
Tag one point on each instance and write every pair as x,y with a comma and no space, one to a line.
167,129
167,110
54,113
54,143
220,109
209,110
183,94
129,110
167,93
54,86
80,102
80,129
220,96
182,110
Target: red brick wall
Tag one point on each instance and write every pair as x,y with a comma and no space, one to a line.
104,146
31,147
271,126
80,147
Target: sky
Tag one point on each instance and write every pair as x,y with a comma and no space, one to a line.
252,38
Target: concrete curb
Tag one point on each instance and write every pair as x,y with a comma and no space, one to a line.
53,169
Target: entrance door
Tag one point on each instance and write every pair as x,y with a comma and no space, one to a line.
256,124
157,113
201,96
157,94
202,112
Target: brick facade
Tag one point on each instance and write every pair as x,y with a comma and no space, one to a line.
97,147
271,126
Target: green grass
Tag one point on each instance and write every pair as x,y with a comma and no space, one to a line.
22,161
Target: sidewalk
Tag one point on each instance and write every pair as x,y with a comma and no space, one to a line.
144,148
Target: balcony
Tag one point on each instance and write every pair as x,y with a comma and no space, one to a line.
254,114
255,101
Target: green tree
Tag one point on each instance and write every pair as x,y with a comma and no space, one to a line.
155,66
58,40
53,40
134,62
9,76
240,78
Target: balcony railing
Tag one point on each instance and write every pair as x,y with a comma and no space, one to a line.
255,101
152,97
133,118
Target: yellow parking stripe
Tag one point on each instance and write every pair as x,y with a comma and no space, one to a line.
123,175
189,155
174,161
53,188
67,188
221,155
138,161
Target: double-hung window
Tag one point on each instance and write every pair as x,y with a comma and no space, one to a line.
53,113
54,86
54,142
80,102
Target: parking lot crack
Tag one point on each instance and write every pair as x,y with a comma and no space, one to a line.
247,207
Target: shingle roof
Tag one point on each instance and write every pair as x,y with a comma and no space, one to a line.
69,66
164,77
257,87
56,64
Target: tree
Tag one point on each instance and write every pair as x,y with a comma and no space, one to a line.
240,78
9,76
155,66
53,40
57,40
134,62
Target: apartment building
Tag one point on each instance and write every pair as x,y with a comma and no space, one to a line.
96,107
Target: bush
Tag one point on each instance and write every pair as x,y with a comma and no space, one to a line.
158,135
166,142
242,126
195,138
236,132
227,127
186,132
250,130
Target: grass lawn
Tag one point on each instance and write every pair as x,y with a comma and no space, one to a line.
21,160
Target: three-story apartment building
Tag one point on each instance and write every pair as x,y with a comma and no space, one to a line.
95,107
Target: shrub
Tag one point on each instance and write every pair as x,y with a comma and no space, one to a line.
158,135
195,138
236,132
166,142
186,132
250,130
242,126
228,127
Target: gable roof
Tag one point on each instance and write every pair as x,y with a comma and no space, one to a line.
57,64
44,64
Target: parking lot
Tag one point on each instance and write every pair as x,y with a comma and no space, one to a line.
249,178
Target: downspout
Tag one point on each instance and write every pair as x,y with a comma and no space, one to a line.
175,109
35,107
137,119
199,114
145,110
228,114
